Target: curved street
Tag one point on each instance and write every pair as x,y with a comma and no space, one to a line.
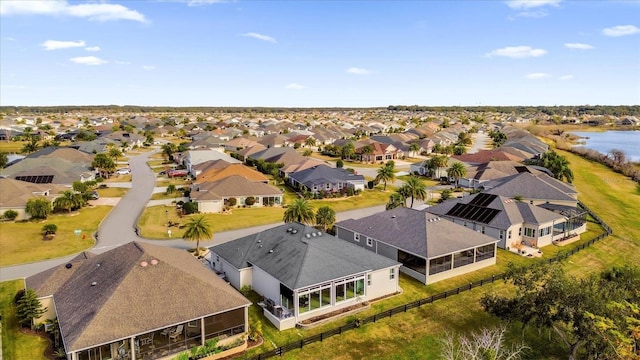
119,226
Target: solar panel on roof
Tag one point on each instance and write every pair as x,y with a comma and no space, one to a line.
473,212
483,199
36,179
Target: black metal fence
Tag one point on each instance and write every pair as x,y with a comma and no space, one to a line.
428,300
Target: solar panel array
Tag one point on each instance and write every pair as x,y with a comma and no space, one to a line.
483,199
36,179
475,213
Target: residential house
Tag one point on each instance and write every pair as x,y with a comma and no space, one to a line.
139,301
479,174
381,152
304,163
125,139
430,249
52,165
323,178
219,169
238,143
215,196
243,153
14,195
536,188
192,158
303,273
510,221
273,140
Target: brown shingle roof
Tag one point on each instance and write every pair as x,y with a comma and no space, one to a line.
218,173
113,296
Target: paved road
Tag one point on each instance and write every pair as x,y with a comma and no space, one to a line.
118,227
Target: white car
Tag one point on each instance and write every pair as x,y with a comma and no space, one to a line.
123,171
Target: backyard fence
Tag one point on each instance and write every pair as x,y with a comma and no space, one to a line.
279,351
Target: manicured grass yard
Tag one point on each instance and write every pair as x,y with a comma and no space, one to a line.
22,242
112,192
15,344
11,147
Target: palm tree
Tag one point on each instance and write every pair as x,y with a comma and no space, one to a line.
558,165
415,188
300,211
396,200
114,153
413,149
385,174
438,162
68,201
456,170
198,229
366,151
310,141
348,150
325,217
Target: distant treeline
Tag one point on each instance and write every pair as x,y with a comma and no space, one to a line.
163,109
619,110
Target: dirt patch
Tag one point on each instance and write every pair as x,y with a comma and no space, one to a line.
335,313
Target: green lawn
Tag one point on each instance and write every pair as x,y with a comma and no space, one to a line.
11,146
22,242
112,192
15,344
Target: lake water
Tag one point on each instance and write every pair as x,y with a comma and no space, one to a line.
604,142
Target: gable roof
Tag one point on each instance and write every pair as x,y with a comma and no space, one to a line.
299,258
16,193
222,170
323,174
485,156
538,186
417,232
493,210
233,185
132,289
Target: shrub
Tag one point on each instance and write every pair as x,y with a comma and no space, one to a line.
339,164
10,215
250,201
350,191
370,184
48,229
190,207
233,201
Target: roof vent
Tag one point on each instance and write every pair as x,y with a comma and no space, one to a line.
294,231
393,216
94,283
319,233
154,262
69,266
98,265
259,241
307,235
289,230
314,234
143,264
270,251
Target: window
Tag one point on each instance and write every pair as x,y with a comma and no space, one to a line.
392,273
501,234
519,231
356,237
509,234
440,264
328,186
369,241
485,252
482,230
529,232
463,258
545,231
368,279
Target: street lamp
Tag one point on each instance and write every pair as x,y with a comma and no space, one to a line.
166,215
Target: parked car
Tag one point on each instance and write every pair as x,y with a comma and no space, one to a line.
94,195
123,171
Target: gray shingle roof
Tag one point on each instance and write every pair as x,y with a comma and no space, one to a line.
417,232
323,174
531,186
297,260
129,298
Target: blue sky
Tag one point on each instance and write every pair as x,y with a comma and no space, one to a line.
319,53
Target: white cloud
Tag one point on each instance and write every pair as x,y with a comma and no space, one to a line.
260,37
358,71
8,38
621,30
537,76
148,67
517,52
203,2
529,4
578,46
119,62
56,45
92,48
566,77
90,11
294,86
88,60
